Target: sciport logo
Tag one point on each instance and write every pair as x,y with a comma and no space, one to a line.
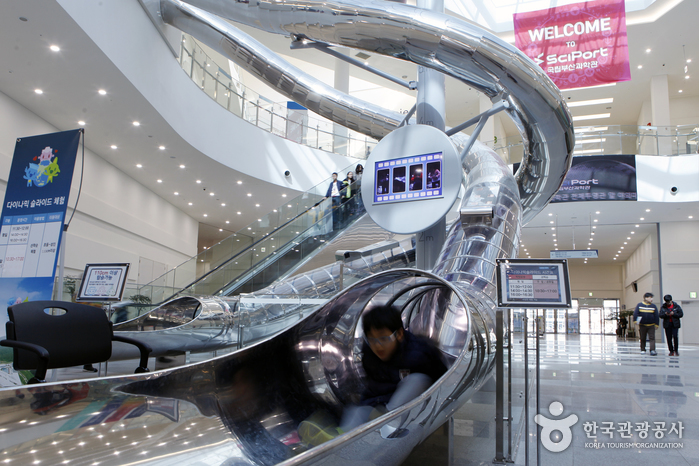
558,428
42,173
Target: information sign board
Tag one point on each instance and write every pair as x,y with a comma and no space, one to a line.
103,282
533,283
574,254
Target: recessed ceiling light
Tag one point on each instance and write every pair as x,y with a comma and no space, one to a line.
597,212
56,48
259,219
621,247
136,123
190,203
81,123
249,228
38,91
228,221
686,76
618,252
595,220
593,233
553,235
647,50
594,116
113,146
238,213
583,103
249,194
637,227
553,228
223,204
206,215
640,66
274,210
689,60
283,195
680,91
625,242
138,165
102,92
176,193
257,205
647,210
211,194
198,181
614,258
161,147
642,218
550,214
633,232
160,181
594,227
691,216
181,166
551,221
628,237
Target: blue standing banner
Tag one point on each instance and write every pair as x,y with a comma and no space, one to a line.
33,215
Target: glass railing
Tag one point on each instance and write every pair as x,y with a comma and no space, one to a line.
296,125
621,139
296,221
279,252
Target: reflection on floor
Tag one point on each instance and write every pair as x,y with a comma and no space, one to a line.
603,381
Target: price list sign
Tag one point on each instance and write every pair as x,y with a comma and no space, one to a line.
533,283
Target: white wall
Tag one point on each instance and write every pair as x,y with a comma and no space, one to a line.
642,268
604,281
679,255
117,219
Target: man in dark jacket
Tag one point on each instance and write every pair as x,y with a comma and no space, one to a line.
646,316
671,313
399,366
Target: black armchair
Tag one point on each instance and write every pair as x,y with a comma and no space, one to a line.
50,334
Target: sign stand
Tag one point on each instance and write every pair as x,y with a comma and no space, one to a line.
528,284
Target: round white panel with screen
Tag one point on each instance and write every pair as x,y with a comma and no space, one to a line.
411,179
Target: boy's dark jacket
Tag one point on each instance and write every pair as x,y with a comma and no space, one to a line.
415,354
674,320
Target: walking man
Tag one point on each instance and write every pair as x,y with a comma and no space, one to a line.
671,313
646,316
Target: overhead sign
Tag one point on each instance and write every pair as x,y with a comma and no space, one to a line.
103,282
577,45
33,214
574,254
533,283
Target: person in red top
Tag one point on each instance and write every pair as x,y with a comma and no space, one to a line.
671,313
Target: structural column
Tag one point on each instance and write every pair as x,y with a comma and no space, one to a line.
660,113
431,109
341,134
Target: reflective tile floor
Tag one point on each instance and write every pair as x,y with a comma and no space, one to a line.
635,402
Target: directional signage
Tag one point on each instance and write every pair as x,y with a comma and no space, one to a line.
574,254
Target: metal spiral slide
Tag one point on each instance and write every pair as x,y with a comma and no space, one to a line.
245,408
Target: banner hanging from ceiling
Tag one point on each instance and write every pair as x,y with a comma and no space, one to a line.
578,45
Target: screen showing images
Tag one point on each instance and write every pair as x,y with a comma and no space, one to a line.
408,179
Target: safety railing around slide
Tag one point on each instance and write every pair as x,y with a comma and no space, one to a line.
293,124
289,233
622,139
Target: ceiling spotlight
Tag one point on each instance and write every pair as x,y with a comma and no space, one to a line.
136,123
550,215
594,227
642,218
160,181
691,216
190,203
113,146
257,205
102,92
633,232
595,220
621,247
638,226
206,215
640,66
198,181
240,182
161,147
647,210
689,60
56,48
176,193
38,91
680,91
228,221
628,237
283,195
551,221
238,213
249,194
81,123
647,50
597,212
223,204
181,166
614,258
138,165
211,194
625,242
686,76
553,228
220,229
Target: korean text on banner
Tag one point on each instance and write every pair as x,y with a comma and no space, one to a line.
33,214
577,45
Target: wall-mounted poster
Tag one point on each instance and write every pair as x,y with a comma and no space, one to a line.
578,45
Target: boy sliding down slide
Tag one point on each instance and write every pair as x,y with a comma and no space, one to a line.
399,366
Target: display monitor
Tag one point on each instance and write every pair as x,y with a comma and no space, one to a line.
408,179
533,283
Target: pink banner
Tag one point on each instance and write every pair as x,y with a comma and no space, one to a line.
578,45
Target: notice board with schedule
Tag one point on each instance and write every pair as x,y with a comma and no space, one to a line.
533,283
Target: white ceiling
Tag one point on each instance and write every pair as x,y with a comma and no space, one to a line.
70,80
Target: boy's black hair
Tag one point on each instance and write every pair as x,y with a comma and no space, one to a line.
381,317
648,295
